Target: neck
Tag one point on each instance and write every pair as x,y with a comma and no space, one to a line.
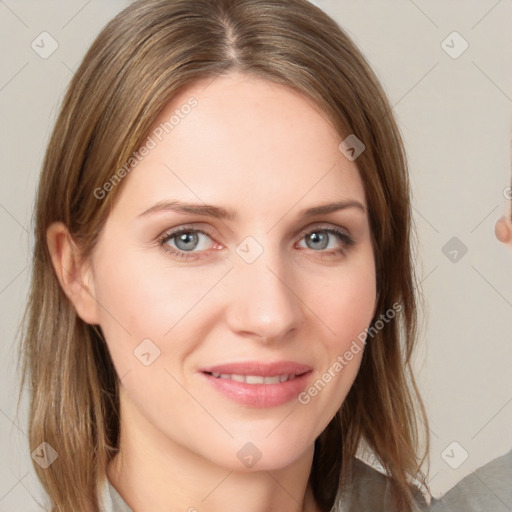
151,472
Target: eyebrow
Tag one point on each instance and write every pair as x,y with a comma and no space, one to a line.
220,212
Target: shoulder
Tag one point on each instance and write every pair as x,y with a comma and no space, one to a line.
487,488
370,491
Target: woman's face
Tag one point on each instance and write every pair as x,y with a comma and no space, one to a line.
267,285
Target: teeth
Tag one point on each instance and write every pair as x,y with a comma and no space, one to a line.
254,379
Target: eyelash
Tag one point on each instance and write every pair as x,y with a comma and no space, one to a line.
348,242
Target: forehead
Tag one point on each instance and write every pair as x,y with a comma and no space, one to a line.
242,141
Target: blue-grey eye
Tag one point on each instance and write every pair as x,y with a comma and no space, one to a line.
319,240
186,241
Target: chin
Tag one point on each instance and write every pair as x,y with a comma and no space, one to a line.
262,454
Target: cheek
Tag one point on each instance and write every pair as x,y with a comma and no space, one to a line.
347,305
140,298
144,298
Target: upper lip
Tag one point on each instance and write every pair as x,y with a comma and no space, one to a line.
260,368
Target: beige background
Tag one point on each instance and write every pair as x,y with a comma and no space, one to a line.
455,115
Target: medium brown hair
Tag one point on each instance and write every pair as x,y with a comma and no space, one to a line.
142,58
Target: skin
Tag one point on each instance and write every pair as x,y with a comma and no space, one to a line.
266,152
503,229
179,438
173,452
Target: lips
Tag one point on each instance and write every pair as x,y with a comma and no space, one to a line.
258,384
254,379
257,368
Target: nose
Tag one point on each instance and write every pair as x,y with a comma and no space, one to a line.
264,299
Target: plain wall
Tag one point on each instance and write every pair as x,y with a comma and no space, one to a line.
455,116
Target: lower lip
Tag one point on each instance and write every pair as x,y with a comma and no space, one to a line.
260,395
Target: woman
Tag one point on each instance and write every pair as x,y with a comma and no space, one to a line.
207,354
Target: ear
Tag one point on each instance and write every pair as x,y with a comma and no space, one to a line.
503,230
74,274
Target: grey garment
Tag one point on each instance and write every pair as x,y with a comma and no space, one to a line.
111,500
488,489
370,492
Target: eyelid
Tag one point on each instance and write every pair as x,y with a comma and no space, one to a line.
323,225
205,228
185,228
